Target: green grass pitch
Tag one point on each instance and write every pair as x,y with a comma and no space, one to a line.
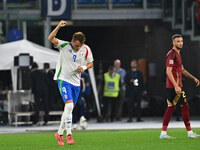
102,140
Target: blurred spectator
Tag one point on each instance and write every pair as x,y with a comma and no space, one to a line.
87,94
134,90
39,90
1,85
79,110
111,92
122,73
51,87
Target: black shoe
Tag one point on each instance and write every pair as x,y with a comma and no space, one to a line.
129,120
140,120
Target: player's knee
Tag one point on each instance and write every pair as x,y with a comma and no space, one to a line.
185,107
68,108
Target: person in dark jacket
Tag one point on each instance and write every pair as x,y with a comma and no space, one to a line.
39,90
80,109
134,90
87,95
51,87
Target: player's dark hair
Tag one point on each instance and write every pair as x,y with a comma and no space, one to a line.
176,36
79,36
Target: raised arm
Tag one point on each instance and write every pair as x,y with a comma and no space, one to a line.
171,78
52,37
188,75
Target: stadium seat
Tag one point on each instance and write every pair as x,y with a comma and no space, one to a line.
115,1
137,1
124,1
99,1
13,1
84,1
130,2
153,1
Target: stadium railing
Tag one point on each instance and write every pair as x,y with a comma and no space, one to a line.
32,113
117,3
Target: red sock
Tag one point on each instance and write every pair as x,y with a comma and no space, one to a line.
186,116
167,117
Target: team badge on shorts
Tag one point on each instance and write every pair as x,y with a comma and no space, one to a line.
66,96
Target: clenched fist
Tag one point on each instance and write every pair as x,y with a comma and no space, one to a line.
62,23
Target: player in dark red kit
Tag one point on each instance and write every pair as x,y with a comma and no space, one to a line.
175,92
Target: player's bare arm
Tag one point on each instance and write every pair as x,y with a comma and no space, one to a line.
83,68
171,78
52,37
188,75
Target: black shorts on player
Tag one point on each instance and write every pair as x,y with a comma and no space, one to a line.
173,98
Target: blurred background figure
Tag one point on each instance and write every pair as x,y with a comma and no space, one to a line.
51,87
122,73
80,109
40,92
87,94
111,92
134,91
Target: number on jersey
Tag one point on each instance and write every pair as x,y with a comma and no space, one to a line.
74,57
